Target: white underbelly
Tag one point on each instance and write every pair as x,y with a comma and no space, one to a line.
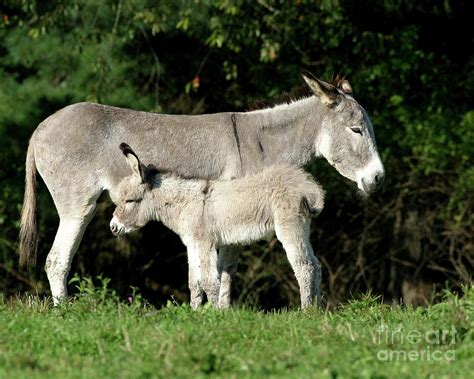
243,234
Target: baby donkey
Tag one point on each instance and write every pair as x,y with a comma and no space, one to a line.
208,215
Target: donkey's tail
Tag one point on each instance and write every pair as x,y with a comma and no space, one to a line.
28,226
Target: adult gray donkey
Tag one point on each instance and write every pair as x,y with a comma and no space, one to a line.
75,152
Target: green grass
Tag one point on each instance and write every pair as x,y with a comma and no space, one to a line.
98,336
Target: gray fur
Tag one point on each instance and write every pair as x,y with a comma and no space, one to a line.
208,215
75,152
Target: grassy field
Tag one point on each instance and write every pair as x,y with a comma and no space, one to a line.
98,336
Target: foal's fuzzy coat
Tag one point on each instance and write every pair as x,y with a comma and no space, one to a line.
212,214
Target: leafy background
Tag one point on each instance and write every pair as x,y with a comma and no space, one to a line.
409,62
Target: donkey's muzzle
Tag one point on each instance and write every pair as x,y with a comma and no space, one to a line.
379,178
372,184
116,228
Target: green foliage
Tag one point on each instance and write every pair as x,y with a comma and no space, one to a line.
200,56
96,336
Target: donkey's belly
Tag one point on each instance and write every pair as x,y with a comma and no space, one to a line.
243,234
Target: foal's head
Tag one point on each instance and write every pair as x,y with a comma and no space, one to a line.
135,204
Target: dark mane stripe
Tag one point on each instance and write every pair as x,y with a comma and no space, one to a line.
299,93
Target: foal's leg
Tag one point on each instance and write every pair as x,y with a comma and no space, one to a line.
210,275
194,276
227,267
295,240
68,237
317,274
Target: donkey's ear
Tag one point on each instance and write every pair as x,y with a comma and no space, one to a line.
326,92
345,87
132,160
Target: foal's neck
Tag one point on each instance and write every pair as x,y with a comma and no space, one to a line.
171,192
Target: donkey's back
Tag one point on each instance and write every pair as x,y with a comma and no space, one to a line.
87,135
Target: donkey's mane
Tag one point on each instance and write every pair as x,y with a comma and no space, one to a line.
299,93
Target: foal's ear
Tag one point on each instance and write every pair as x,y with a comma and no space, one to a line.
326,92
133,161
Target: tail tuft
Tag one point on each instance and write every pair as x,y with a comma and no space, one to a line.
314,197
28,228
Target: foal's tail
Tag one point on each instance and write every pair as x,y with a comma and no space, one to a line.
28,226
314,196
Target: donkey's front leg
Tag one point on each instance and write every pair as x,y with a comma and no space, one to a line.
227,267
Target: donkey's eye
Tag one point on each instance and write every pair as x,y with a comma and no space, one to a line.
133,200
357,130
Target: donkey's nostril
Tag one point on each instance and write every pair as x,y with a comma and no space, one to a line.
379,178
113,228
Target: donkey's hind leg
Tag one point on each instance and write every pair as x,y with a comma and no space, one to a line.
295,240
67,240
227,267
